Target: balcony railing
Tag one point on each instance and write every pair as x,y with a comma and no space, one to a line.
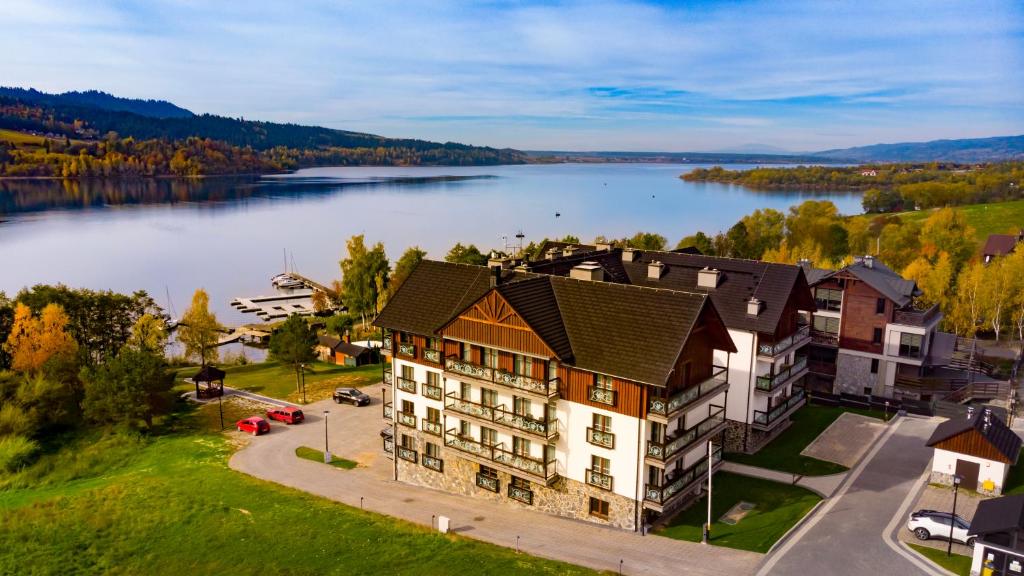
602,395
524,495
824,338
387,376
407,385
431,391
389,411
601,438
915,317
548,389
431,462
488,483
431,355
770,382
429,427
538,467
599,479
666,407
407,350
389,445
501,416
678,483
386,343
774,349
407,454
767,418
681,441
406,419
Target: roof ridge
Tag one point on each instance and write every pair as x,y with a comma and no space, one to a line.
558,278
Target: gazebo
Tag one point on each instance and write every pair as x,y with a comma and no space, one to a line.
213,378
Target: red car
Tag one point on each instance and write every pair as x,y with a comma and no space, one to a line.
253,425
286,414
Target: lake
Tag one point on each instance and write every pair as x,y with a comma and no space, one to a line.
228,235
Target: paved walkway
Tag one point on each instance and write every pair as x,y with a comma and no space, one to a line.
243,394
353,434
846,440
852,533
823,485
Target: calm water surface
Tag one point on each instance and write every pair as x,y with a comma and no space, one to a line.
228,235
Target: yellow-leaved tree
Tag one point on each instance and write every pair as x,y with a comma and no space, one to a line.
198,329
34,340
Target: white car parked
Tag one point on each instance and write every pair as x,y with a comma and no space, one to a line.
928,524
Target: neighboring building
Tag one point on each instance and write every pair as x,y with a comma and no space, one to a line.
764,307
869,173
343,351
1000,245
999,526
571,396
324,348
979,448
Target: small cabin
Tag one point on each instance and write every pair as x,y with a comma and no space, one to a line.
979,448
998,525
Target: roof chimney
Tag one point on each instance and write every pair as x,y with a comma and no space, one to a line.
499,261
805,263
495,276
346,338
628,254
569,250
970,412
869,261
587,271
754,307
654,270
606,246
708,278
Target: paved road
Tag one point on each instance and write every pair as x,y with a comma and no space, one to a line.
353,434
849,534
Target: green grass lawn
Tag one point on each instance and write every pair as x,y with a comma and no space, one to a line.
318,456
994,218
277,380
783,453
1015,479
167,503
777,507
957,563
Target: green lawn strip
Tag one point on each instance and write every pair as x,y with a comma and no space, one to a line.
271,378
992,218
318,456
1015,479
777,508
783,453
957,563
168,504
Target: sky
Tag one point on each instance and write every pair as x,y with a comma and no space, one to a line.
606,75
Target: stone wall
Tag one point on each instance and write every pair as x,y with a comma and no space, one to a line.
853,374
947,480
740,437
565,497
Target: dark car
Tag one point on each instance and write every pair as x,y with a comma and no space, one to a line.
352,396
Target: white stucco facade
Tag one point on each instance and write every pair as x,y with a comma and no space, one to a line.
944,464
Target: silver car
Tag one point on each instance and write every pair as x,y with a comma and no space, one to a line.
929,524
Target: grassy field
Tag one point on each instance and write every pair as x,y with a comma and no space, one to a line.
957,563
27,141
1015,479
777,507
318,456
995,218
125,503
783,453
276,380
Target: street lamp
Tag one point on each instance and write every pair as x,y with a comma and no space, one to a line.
886,410
707,526
302,379
327,450
952,521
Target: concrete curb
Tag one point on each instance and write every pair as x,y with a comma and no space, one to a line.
795,527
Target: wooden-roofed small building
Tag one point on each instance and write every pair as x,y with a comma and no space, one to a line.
979,448
212,380
998,525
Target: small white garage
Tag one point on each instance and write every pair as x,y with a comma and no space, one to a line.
979,448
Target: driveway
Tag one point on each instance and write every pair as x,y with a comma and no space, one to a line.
353,433
851,533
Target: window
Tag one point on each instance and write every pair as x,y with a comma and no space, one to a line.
408,407
467,352
603,423
408,441
653,475
433,378
464,429
603,382
521,406
880,306
405,338
599,508
490,357
488,472
599,464
828,299
876,336
465,391
867,390
826,324
874,365
656,431
407,373
520,483
549,452
523,365
433,450
433,415
488,397
520,446
552,370
910,345
434,343
488,436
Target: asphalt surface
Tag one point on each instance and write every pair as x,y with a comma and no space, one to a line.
852,535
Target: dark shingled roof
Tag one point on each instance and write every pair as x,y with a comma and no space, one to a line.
880,277
350,349
1000,244
998,434
625,331
1004,514
209,374
328,341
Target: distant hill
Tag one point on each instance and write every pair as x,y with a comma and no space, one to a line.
969,150
97,99
541,156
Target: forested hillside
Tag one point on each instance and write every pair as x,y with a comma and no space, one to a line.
97,99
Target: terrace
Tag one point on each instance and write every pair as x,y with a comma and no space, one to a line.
661,496
773,380
459,369
681,441
662,409
766,420
498,456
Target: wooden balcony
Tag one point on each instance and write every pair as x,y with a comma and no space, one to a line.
771,382
406,419
602,395
431,355
601,438
407,350
661,496
768,420
524,495
435,464
799,337
662,409
682,441
435,428
599,479
501,416
431,391
500,457
460,369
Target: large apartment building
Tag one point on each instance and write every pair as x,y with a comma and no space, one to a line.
570,395
764,306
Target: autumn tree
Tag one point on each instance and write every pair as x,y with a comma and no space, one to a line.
947,231
765,230
149,334
646,241
1014,263
292,343
404,267
470,254
36,340
135,385
359,272
995,294
934,280
199,330
966,310
321,302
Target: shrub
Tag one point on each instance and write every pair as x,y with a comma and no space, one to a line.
16,452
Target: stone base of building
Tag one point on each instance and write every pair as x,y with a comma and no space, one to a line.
740,437
947,480
565,497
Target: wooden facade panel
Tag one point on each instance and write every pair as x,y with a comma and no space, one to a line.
973,443
695,364
631,398
491,321
452,348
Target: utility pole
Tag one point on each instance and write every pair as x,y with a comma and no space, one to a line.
707,526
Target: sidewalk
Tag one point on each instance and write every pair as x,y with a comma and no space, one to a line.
825,486
353,435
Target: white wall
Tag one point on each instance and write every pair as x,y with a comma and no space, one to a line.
574,452
740,378
945,462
